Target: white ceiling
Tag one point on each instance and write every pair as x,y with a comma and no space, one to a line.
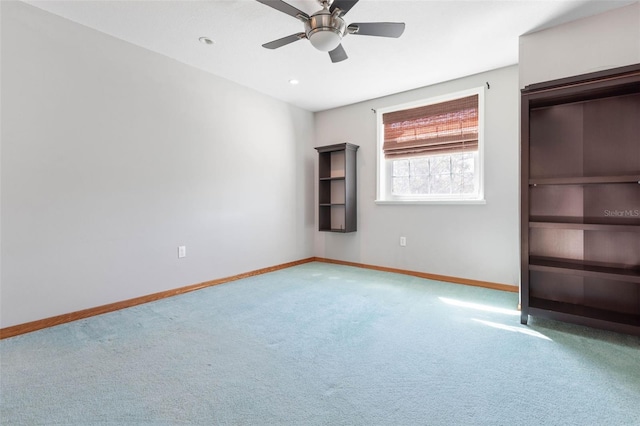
443,40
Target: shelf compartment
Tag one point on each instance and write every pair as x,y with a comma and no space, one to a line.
555,141
577,268
582,314
620,249
556,243
569,140
595,292
332,217
608,203
610,138
332,165
331,191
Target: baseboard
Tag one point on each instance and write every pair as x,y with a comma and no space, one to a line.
86,313
456,280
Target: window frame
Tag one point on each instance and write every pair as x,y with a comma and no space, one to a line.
384,166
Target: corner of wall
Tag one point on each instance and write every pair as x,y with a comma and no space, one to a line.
581,46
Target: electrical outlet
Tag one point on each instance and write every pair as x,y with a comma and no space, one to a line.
182,251
403,241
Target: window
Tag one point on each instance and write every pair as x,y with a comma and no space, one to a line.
431,152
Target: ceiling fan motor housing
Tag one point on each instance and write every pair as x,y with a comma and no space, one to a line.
325,30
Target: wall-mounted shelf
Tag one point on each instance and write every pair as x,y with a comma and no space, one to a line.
337,192
580,200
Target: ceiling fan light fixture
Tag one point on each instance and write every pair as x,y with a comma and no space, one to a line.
325,40
325,30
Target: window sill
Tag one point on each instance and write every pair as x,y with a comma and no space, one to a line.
431,202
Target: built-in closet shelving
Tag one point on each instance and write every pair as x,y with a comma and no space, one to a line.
580,200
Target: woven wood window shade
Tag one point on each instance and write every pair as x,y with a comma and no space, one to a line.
446,127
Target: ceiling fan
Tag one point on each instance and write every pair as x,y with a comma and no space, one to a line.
326,28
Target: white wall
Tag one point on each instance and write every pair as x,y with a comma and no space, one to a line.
112,156
467,241
600,42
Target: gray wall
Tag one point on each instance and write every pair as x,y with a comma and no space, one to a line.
607,40
112,156
468,241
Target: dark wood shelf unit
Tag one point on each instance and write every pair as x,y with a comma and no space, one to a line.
580,200
337,192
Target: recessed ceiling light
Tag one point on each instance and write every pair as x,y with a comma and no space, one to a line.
205,40
293,82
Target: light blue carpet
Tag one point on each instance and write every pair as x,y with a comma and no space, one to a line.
321,344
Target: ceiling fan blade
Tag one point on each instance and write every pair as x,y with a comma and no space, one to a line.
285,8
380,29
343,5
284,41
338,54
